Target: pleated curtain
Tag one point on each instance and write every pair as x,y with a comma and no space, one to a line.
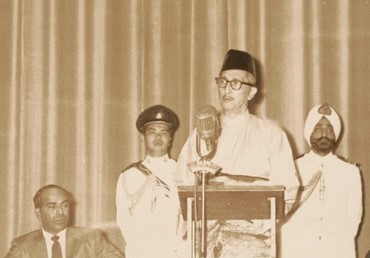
75,74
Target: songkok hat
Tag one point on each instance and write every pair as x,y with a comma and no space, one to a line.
314,116
157,114
239,60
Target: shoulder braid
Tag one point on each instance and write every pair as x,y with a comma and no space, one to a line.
353,162
131,166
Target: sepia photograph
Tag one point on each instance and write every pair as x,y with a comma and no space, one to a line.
184,128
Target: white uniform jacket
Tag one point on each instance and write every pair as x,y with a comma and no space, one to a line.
327,223
148,210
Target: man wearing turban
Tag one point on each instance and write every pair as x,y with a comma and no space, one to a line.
327,217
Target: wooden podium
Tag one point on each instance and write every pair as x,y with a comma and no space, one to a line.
233,202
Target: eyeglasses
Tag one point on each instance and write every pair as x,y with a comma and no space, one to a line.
235,84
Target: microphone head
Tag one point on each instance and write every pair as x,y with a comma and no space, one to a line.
207,122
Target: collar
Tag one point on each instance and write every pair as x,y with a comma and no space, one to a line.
49,242
61,234
317,157
235,120
155,160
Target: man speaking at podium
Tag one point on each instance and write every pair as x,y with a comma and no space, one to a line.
250,151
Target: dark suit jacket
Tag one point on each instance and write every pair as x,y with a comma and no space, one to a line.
80,243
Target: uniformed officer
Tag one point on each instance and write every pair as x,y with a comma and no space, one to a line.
148,210
327,217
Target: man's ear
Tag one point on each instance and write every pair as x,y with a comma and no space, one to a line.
38,213
252,92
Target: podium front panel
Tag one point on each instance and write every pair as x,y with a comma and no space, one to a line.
235,202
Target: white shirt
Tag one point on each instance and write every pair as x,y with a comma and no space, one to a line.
248,145
49,242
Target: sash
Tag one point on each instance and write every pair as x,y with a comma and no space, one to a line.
151,178
146,171
311,185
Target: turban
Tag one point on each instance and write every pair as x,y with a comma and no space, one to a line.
314,116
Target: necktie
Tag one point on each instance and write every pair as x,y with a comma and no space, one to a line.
56,250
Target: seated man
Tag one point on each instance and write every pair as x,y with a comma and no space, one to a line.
56,239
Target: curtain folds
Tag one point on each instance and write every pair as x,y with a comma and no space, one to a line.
76,74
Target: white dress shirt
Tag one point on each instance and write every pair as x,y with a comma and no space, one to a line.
49,242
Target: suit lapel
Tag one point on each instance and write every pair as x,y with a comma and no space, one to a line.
70,242
38,248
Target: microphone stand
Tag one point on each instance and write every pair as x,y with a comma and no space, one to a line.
204,158
203,224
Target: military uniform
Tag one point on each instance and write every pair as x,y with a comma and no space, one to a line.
328,215
327,223
148,210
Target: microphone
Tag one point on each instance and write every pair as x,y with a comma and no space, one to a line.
208,129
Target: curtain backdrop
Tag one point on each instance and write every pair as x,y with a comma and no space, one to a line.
75,74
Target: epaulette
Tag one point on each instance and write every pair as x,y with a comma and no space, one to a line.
131,166
353,162
299,156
